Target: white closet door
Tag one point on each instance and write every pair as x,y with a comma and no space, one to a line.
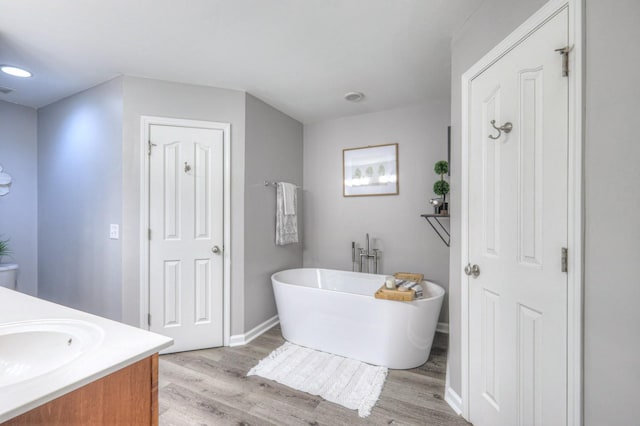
186,235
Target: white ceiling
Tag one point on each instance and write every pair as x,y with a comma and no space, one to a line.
301,56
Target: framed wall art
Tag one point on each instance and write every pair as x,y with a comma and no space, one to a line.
370,170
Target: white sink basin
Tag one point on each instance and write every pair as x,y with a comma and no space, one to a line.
30,349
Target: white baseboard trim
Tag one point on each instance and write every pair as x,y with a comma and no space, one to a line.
243,339
450,396
443,327
453,399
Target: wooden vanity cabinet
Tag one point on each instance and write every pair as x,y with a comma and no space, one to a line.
126,397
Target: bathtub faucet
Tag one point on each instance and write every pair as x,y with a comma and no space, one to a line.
366,255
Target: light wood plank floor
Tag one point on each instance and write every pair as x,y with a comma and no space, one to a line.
210,387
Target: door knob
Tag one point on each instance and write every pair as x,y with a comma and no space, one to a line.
472,270
216,250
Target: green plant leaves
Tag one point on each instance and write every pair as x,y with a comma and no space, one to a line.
441,167
441,187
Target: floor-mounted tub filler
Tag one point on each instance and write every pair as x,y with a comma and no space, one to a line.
336,312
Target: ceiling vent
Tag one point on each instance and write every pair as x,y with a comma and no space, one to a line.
5,90
354,96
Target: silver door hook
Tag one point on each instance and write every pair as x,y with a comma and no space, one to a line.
506,127
187,167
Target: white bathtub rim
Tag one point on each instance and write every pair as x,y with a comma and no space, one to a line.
440,290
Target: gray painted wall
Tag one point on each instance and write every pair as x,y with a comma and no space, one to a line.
79,192
90,177
332,221
19,208
612,240
176,100
273,148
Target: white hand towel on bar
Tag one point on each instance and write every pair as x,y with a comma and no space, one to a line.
289,193
286,223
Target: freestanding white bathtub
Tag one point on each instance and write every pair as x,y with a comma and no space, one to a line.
336,312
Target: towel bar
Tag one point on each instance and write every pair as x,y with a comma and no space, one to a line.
269,183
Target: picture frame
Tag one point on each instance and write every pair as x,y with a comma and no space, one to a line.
370,171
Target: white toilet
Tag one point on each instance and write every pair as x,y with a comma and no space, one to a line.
8,275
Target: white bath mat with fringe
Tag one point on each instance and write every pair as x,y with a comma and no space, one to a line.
350,383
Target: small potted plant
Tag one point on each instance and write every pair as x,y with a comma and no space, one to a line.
8,271
441,187
4,249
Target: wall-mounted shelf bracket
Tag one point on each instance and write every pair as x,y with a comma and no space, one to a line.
442,232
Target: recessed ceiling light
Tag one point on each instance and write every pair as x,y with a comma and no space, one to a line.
15,71
354,96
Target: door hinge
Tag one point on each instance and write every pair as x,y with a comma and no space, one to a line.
150,145
564,261
564,51
149,320
149,234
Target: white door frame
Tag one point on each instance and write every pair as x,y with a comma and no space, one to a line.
145,123
575,197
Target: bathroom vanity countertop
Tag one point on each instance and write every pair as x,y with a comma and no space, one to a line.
117,346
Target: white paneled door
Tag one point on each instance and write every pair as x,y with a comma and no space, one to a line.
517,231
186,235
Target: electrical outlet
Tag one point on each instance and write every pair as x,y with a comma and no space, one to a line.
114,231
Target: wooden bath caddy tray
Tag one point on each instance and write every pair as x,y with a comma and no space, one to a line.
402,296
